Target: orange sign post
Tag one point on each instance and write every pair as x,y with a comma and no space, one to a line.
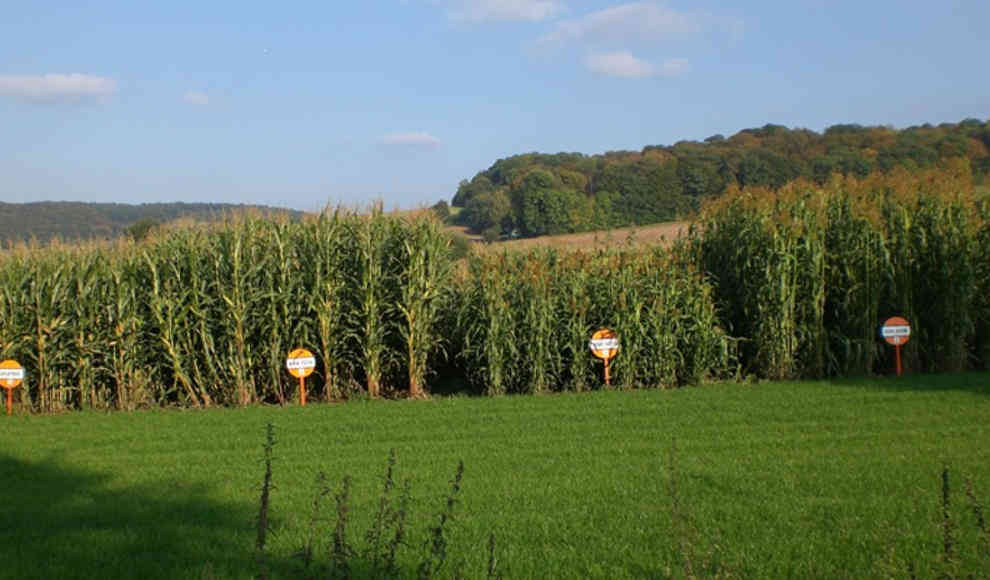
11,375
896,331
604,344
301,363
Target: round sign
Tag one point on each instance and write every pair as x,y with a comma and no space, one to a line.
11,374
896,330
300,363
604,344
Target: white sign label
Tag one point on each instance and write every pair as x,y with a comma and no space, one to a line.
604,344
891,331
11,374
300,363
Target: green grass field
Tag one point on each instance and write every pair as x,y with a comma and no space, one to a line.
817,479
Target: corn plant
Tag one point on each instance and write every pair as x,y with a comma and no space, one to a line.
490,349
423,293
328,254
47,292
125,326
542,354
234,275
374,308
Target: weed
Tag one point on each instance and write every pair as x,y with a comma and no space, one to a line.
390,567
341,551
493,571
436,555
322,491
383,516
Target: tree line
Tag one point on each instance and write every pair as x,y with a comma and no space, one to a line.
75,221
537,194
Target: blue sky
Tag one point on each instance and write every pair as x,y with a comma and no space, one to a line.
301,104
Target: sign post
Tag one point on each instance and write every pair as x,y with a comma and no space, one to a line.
11,375
604,344
896,331
301,363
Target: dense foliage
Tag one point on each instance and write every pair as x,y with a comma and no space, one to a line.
535,194
205,316
65,220
805,275
527,318
776,284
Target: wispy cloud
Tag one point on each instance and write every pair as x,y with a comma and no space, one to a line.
504,10
416,139
196,98
673,67
57,88
618,64
609,38
623,64
636,21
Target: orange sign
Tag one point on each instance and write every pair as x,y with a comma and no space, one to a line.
300,363
896,331
604,344
11,374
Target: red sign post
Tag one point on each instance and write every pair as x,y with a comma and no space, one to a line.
896,331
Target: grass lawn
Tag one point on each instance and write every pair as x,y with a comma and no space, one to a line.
815,479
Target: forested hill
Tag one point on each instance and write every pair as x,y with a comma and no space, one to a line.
71,221
536,193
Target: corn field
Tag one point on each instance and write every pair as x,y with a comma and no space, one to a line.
205,316
805,276
785,284
526,320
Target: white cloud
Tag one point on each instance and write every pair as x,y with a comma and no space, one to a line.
618,64
504,10
412,139
673,67
624,64
196,98
55,88
636,21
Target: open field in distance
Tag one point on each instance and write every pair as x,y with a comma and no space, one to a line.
653,234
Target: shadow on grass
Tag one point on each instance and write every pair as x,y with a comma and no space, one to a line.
976,382
59,522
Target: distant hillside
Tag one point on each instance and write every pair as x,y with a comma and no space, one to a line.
537,193
71,221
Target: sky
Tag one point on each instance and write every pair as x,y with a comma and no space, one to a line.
302,104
